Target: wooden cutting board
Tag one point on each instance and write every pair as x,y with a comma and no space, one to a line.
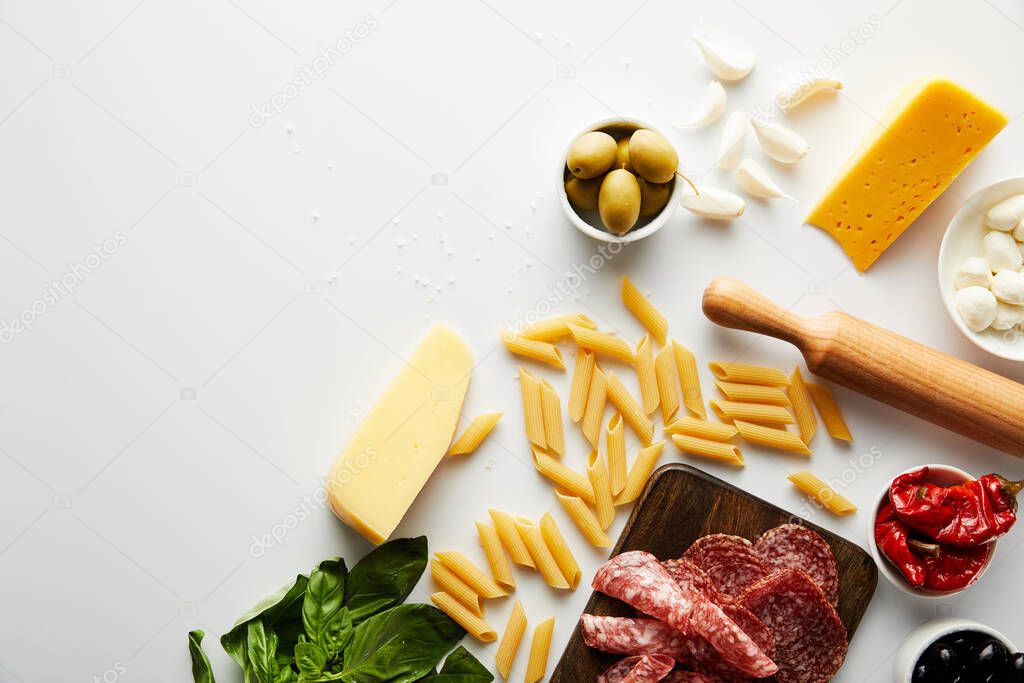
679,505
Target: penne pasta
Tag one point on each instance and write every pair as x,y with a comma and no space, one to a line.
456,587
772,437
646,374
533,349
551,411
644,464
749,374
471,575
474,625
829,411
597,397
668,382
505,525
559,549
603,343
822,492
581,376
631,411
802,410
597,472
537,666
475,433
562,476
510,640
716,450
753,393
691,426
615,446
689,380
542,557
501,570
649,316
584,519
556,327
751,412
533,410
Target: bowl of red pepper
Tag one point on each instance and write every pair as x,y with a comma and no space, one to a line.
936,527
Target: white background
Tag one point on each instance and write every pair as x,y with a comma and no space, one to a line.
188,395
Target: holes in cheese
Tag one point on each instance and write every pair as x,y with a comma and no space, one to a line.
928,136
396,448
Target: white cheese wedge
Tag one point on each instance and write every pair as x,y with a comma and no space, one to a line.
396,448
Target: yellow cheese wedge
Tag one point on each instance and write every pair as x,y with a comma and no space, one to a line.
396,448
930,134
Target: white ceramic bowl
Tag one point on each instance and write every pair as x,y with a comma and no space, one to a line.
926,634
945,475
590,224
962,240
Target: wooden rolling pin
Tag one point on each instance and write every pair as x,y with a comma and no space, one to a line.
884,366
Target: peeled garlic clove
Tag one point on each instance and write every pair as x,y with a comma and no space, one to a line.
973,271
781,143
709,109
755,181
1008,316
715,204
1007,214
795,95
1001,251
977,307
1008,287
729,64
730,149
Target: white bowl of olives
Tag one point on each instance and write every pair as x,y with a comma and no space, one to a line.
619,180
954,649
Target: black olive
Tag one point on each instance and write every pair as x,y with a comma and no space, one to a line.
964,641
944,658
991,656
922,674
1016,666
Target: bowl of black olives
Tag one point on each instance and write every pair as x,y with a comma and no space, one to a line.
958,651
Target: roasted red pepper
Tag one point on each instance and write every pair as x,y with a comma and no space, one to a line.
966,515
893,540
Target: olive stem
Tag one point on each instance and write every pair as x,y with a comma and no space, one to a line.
689,182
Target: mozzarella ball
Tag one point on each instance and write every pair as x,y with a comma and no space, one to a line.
1008,286
1018,233
973,271
977,307
1008,316
1007,214
1001,251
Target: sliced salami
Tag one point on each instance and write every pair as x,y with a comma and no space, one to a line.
633,636
639,580
795,546
642,669
810,639
691,578
730,561
687,677
705,659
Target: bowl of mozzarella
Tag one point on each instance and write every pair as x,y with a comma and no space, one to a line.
981,269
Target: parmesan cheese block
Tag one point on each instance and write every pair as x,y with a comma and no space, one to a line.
930,134
396,448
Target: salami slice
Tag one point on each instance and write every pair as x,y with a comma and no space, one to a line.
705,659
795,546
687,677
639,580
632,636
642,669
691,578
730,561
810,639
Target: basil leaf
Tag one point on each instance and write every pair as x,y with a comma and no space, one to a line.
282,611
310,659
461,667
327,624
260,649
385,577
399,645
202,672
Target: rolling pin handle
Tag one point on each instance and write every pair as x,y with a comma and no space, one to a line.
732,303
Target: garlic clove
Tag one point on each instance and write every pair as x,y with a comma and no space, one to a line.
709,109
973,271
780,143
1008,287
730,148
1001,251
713,203
756,182
727,63
795,95
1007,214
977,307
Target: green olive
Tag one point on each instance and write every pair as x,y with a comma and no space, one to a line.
652,156
582,194
653,196
591,155
622,155
619,201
